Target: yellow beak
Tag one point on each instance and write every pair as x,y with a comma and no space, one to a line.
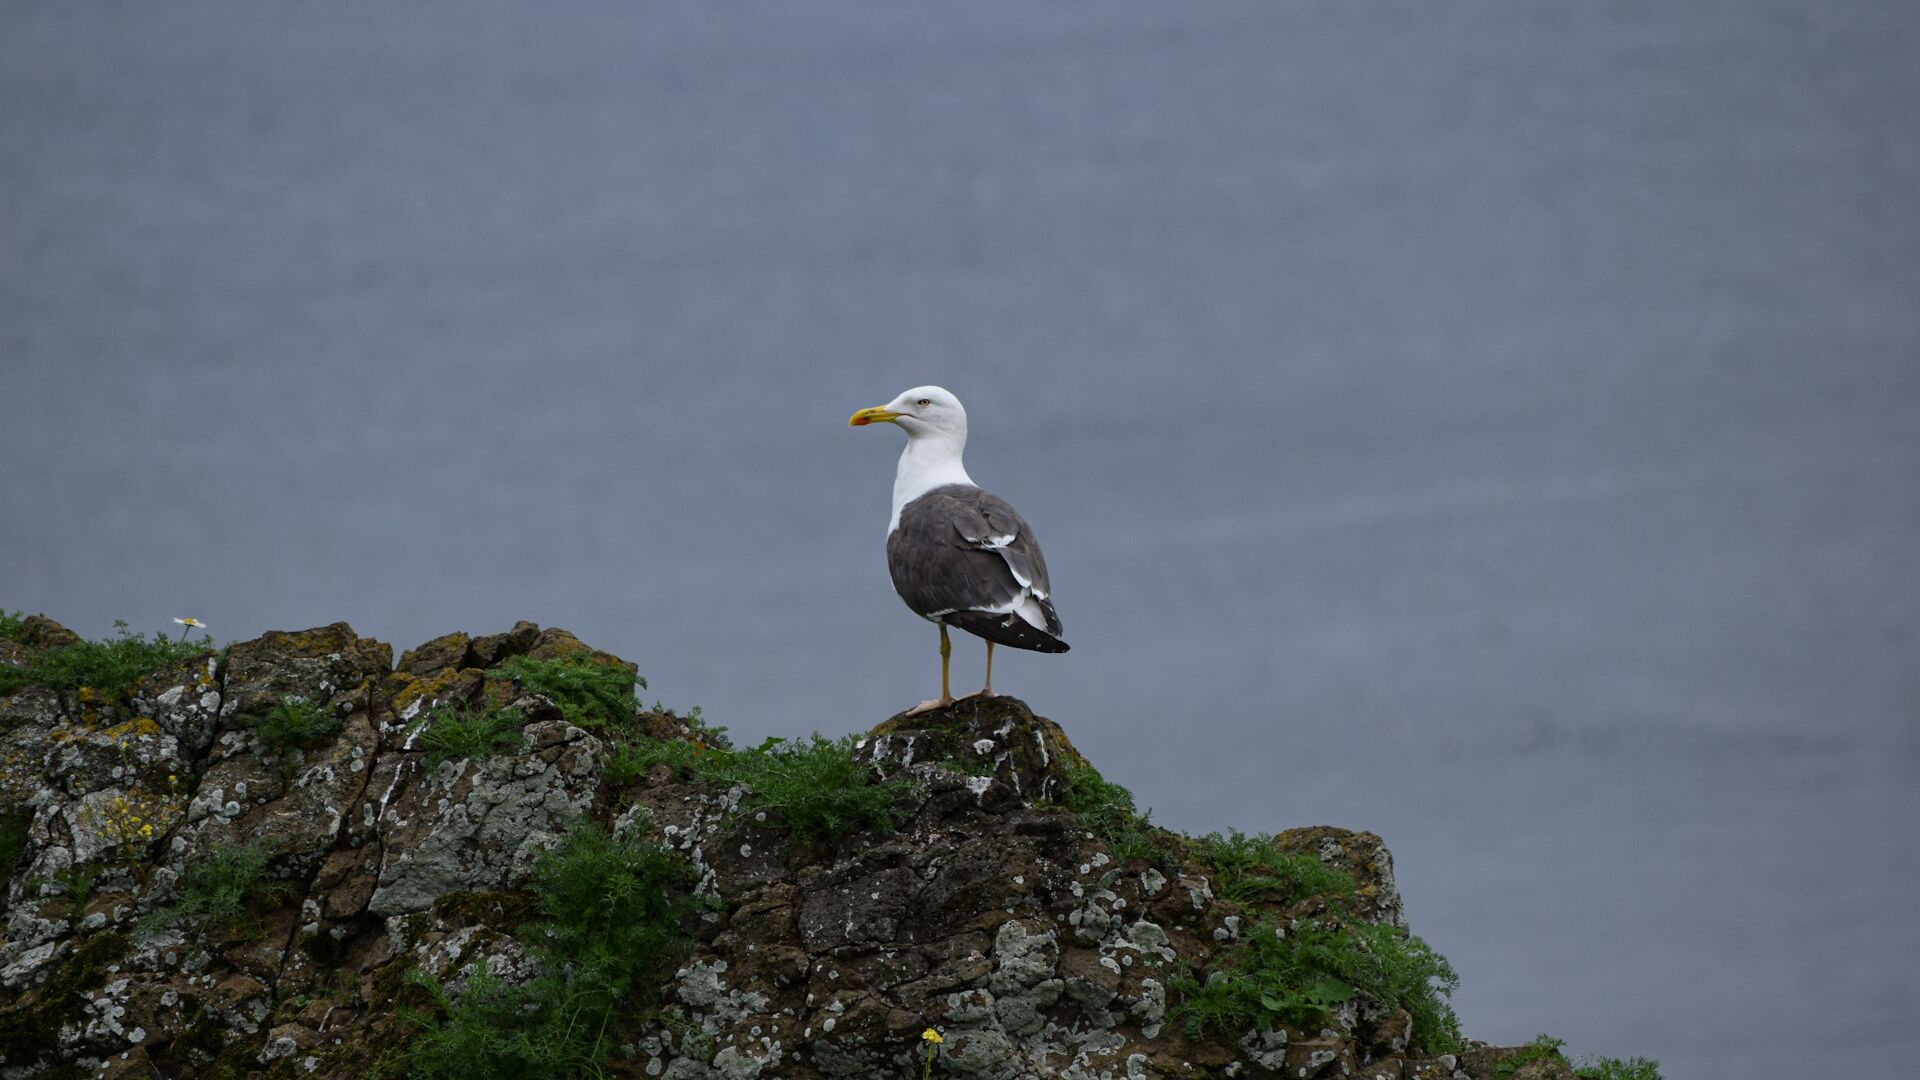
875,415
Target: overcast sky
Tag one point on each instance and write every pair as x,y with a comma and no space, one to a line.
1496,426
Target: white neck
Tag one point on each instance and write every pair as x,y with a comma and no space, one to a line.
931,460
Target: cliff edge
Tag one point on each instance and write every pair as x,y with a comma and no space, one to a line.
294,857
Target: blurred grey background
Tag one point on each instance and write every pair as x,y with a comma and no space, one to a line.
1496,426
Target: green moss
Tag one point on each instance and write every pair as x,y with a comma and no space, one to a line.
109,667
632,758
77,882
610,927
1251,869
1297,972
589,693
292,724
30,1025
1296,969
461,731
1608,1068
1107,810
223,889
970,766
814,787
1542,1048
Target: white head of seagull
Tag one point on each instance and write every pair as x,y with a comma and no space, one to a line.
936,427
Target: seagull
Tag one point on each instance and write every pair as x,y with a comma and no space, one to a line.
959,556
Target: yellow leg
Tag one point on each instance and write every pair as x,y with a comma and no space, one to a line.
987,690
946,698
946,650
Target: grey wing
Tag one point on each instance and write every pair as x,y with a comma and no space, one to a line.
966,557
991,523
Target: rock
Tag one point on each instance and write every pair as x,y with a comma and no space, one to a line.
1522,1063
1361,854
325,665
991,915
465,826
997,738
39,632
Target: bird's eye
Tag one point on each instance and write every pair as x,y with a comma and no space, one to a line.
924,402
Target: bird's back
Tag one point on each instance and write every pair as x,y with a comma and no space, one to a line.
966,557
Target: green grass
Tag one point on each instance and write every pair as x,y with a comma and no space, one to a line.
814,787
294,723
222,890
1107,810
1608,1068
631,759
609,932
77,882
458,731
589,693
10,624
110,667
1297,969
1297,973
1547,1048
1542,1048
1250,869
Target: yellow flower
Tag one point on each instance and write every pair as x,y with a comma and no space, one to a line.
932,1036
190,621
146,830
172,779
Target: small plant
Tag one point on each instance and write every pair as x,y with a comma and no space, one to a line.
814,787
1107,810
632,759
217,891
77,882
1542,1048
1608,1068
589,693
11,624
1250,869
933,1040
459,731
1298,969
704,733
610,930
1299,973
107,668
293,723
1547,1048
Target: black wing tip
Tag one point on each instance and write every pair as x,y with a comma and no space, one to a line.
1015,634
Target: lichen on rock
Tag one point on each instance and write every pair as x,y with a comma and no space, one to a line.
988,913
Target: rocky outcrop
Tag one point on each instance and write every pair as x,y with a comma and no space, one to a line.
989,914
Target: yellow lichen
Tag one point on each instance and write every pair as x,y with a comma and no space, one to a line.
137,727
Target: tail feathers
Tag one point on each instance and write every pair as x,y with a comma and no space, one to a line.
1008,629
